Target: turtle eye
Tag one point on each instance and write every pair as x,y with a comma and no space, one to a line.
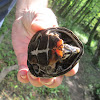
36,68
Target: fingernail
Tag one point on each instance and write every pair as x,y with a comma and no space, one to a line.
49,83
23,76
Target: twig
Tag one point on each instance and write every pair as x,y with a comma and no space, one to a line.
5,71
6,95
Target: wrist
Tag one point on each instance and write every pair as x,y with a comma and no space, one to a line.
23,5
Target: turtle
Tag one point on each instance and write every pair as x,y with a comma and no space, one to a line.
53,52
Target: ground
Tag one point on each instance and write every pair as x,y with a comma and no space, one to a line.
81,85
78,87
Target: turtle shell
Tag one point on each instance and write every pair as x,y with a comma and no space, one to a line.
40,52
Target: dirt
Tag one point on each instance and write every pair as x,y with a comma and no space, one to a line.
79,83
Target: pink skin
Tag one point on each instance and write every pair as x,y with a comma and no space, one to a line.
23,29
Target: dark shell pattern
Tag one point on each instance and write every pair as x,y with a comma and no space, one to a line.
40,52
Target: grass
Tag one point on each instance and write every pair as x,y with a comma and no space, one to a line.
18,91
59,93
7,55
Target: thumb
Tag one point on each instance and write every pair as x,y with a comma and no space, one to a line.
39,25
45,18
42,24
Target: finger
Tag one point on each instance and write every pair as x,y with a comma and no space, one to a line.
44,19
73,71
53,82
34,80
22,74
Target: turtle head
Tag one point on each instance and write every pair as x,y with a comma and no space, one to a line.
69,50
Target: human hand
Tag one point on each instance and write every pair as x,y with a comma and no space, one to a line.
24,27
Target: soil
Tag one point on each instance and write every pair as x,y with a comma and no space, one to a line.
87,76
